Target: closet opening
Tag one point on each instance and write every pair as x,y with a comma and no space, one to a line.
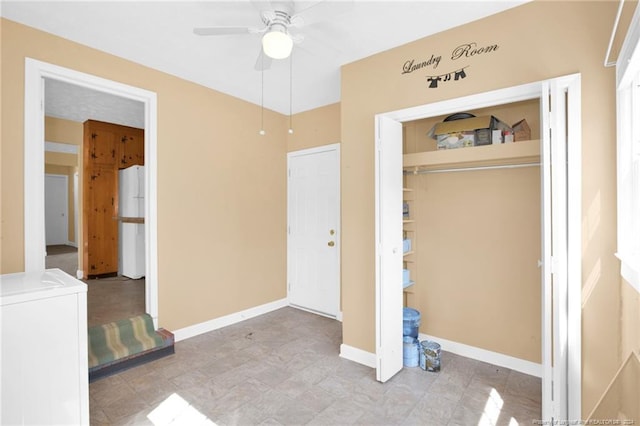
494,259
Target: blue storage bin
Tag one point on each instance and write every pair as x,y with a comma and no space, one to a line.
410,351
406,245
406,276
410,322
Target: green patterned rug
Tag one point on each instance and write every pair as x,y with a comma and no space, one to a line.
126,343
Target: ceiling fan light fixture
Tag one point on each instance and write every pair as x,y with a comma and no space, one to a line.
277,44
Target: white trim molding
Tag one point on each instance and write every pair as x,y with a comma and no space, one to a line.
628,153
484,355
358,355
227,320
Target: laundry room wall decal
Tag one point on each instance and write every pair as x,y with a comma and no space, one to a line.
463,51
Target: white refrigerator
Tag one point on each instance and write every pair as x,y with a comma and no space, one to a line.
131,214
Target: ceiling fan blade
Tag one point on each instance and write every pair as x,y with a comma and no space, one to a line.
262,5
207,31
263,62
322,10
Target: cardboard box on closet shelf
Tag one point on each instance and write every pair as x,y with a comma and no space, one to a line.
521,131
456,140
478,130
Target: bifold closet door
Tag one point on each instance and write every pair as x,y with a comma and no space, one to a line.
560,155
388,248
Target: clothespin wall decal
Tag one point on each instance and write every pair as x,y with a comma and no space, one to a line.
457,75
460,74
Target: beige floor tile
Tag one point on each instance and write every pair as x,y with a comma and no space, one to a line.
284,369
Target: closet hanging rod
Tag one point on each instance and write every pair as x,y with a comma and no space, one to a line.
469,169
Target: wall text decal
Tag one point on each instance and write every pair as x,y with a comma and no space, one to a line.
470,49
412,65
463,51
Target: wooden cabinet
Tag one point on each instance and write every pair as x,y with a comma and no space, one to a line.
102,145
131,148
107,148
102,234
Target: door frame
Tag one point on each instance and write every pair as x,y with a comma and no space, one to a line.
65,180
305,152
569,339
34,237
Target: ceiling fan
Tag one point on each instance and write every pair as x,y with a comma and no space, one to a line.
281,19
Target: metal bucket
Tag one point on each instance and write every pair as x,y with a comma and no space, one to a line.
429,355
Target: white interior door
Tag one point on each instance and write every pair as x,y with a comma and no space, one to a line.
313,244
56,209
388,248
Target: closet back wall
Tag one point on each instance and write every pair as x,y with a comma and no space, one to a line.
478,242
477,245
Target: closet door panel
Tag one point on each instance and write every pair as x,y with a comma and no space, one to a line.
389,247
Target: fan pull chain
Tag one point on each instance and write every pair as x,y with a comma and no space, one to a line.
290,93
262,132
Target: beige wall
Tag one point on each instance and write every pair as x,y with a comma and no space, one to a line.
317,127
221,186
475,263
63,131
538,40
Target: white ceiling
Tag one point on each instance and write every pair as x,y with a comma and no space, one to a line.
159,34
77,103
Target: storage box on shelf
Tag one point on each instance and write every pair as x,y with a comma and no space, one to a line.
521,131
468,132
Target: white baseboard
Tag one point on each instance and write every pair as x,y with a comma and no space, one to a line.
72,244
339,316
484,355
214,324
358,355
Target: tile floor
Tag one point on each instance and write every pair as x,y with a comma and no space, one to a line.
113,299
283,368
108,299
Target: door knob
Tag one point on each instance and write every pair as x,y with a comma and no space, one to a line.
331,243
